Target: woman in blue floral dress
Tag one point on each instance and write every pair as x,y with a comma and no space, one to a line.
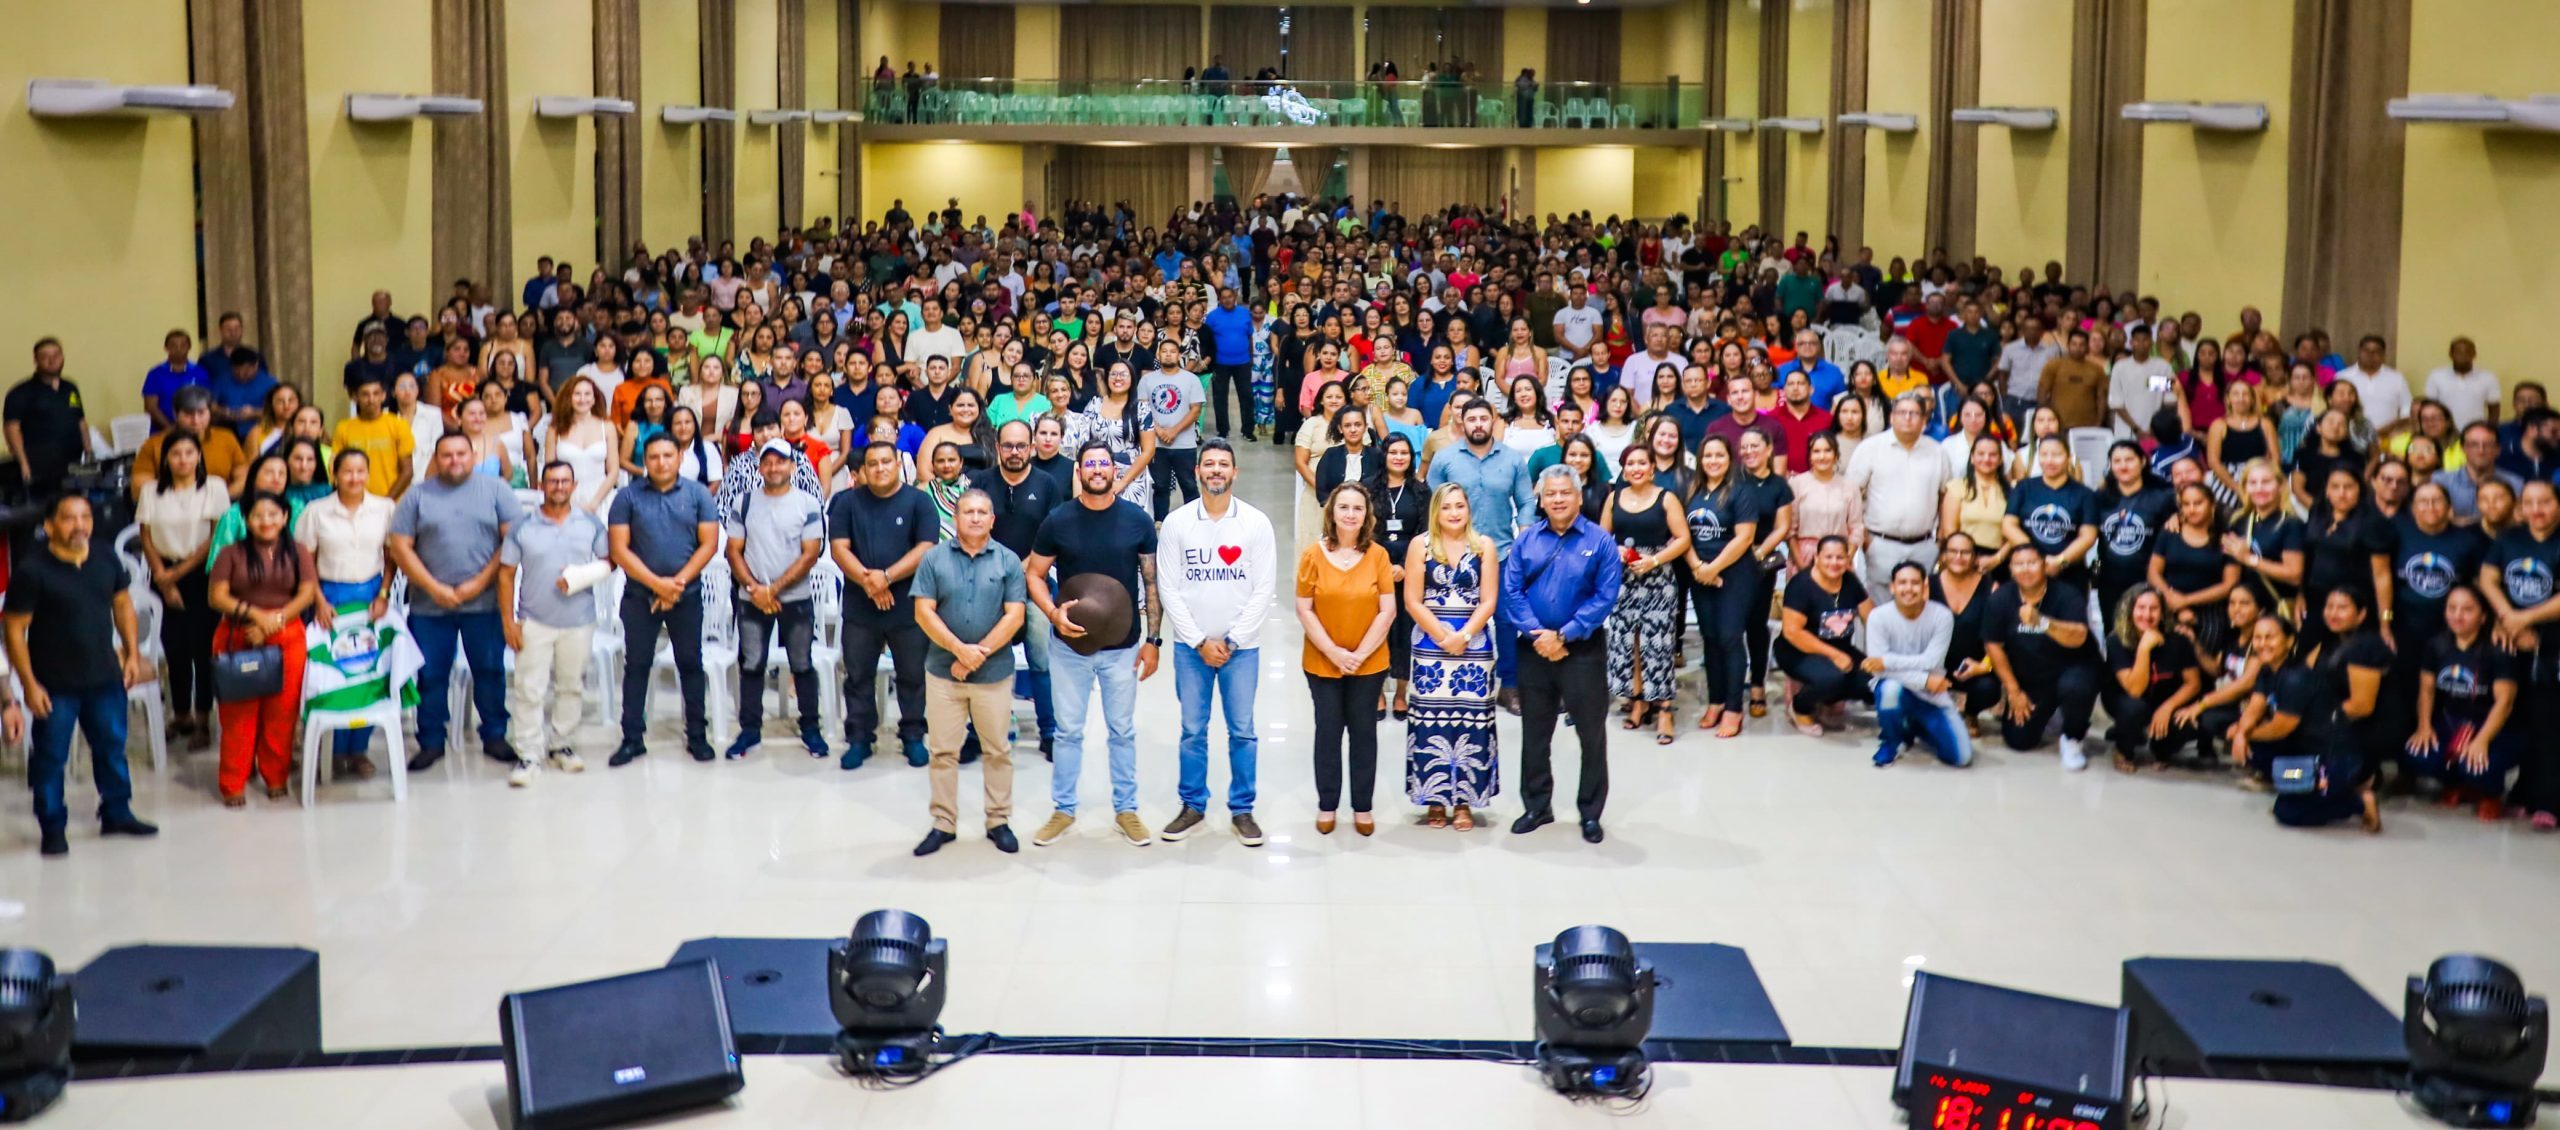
1450,584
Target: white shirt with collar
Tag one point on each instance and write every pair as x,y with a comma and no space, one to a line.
2467,395
2384,391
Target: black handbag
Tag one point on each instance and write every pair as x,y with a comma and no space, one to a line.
248,674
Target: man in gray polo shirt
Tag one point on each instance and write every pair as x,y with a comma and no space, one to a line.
444,537
1172,400
775,536
664,531
969,597
548,562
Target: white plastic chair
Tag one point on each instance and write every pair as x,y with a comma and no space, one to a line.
148,697
2089,449
126,434
319,726
826,646
719,650
604,649
137,571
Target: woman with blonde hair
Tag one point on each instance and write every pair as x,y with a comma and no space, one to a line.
1452,582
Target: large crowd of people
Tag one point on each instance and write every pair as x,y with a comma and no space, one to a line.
1542,467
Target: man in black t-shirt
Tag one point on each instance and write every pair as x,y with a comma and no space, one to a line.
1098,534
2036,634
1023,496
877,535
72,607
47,425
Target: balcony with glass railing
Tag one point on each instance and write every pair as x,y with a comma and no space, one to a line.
1267,104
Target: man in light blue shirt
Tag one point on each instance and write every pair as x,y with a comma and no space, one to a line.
1497,483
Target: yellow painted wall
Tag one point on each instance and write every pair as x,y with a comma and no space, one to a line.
1897,204
818,168
1599,179
2213,204
1524,41
986,178
1666,182
1740,197
919,28
1035,42
1684,45
759,68
670,156
1643,55
2022,190
551,51
372,185
102,211
1808,96
882,37
2480,227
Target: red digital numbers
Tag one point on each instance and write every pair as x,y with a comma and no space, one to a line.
1957,1112
1963,1110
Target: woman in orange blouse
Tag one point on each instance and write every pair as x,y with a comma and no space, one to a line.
1347,604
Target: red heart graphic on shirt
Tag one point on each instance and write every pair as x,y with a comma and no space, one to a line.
1229,553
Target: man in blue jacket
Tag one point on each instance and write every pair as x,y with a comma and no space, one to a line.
1558,585
1230,329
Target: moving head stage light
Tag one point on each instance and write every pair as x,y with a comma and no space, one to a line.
1594,1007
36,1018
2476,1043
886,983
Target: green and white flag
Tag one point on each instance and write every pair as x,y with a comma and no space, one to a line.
361,662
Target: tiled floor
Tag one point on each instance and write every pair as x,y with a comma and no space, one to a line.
1838,878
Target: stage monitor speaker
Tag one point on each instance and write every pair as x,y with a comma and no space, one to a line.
154,1002
2191,1013
776,987
601,1052
1973,1052
1703,992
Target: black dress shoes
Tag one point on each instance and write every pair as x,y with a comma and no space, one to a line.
1531,822
1591,833
933,841
1002,836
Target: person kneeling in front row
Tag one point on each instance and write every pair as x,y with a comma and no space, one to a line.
1913,703
2037,637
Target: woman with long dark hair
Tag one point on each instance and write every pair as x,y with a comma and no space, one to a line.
1777,506
2346,544
1403,503
261,586
1724,520
2466,708
1962,585
2518,580
2293,718
1816,648
177,514
2153,673
2133,507
1652,533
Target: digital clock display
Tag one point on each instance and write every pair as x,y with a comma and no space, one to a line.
1953,1102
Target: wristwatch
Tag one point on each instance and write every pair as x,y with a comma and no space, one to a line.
1155,641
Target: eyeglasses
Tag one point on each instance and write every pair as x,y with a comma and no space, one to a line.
1095,463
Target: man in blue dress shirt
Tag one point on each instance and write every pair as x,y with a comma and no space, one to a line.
1558,583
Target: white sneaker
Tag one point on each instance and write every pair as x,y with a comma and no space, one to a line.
2073,758
521,775
566,760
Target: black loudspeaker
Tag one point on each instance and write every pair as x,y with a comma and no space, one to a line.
1975,1055
2190,1013
776,988
162,1001
601,1052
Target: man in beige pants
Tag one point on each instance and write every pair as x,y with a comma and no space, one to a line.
557,552
969,598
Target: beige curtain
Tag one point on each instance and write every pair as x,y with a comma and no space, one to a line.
853,87
1955,79
617,51
1247,37
1472,35
1773,104
791,75
719,139
1407,37
1112,42
1846,150
1582,46
1154,180
1314,164
474,200
1320,44
1412,179
256,166
2342,231
977,42
2102,244
1248,169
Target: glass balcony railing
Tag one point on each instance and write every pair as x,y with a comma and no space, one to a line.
1267,103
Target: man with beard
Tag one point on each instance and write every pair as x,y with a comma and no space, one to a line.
1496,481
1022,495
1099,534
1217,594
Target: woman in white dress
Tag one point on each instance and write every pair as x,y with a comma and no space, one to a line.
581,436
510,429
1527,426
1614,426
605,371
426,422
712,397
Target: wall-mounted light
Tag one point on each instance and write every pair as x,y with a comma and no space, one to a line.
834,117
1728,125
2013,117
403,107
82,98
2240,116
2539,112
695,115
576,106
775,117
1792,125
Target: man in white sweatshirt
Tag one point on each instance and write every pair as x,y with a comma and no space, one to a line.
1219,570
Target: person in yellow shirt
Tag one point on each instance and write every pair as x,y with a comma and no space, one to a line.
1899,376
384,438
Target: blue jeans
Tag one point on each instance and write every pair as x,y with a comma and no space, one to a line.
1903,717
1073,677
98,716
338,594
483,644
1194,684
1031,681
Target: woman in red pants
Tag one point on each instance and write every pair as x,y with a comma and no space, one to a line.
262,586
